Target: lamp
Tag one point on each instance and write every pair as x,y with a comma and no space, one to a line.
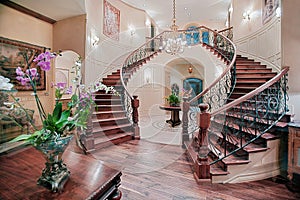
174,42
246,15
95,40
131,29
190,69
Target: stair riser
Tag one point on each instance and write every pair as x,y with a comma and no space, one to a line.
108,115
103,92
106,96
110,123
111,131
239,62
243,66
243,90
253,70
243,84
112,82
108,102
255,75
117,108
113,76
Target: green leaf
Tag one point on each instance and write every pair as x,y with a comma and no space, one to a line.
57,112
20,138
64,116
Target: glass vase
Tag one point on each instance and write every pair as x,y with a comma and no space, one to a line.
55,174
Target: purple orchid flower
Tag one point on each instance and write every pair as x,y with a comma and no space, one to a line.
69,90
61,85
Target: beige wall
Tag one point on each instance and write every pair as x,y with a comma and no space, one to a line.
290,50
69,34
18,26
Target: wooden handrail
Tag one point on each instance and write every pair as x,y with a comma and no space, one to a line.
252,93
226,29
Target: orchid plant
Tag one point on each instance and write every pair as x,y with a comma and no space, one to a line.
60,122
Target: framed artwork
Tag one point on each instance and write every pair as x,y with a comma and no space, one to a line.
111,24
12,55
269,8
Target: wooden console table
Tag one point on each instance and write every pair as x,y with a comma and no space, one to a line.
90,178
174,121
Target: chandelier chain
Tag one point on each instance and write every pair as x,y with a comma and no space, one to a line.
174,42
174,9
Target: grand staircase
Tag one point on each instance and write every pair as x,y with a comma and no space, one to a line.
246,115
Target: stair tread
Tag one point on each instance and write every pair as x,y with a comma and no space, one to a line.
113,105
267,135
106,128
107,99
107,138
234,161
109,112
109,119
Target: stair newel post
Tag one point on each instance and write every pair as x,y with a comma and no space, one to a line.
185,120
202,167
135,102
88,137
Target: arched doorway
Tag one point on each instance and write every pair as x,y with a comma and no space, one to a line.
196,85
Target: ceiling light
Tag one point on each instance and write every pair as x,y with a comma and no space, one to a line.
174,42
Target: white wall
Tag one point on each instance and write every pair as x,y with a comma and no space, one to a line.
255,39
109,54
165,70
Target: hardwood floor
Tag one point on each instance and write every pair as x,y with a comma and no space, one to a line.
155,171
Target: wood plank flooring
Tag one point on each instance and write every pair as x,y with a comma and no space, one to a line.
153,171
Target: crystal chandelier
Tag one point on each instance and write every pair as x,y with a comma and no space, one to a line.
174,41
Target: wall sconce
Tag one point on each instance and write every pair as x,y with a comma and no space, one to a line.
131,30
230,10
95,40
148,23
148,76
246,15
278,12
190,69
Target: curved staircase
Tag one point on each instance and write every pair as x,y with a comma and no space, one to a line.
245,119
245,139
110,123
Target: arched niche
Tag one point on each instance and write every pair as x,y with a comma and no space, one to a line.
64,68
178,70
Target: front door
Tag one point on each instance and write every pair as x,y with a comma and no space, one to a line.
196,85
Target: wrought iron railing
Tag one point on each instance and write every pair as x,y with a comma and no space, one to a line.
228,32
241,122
201,35
216,95
135,59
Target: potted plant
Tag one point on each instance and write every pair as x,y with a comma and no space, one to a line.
173,99
59,126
